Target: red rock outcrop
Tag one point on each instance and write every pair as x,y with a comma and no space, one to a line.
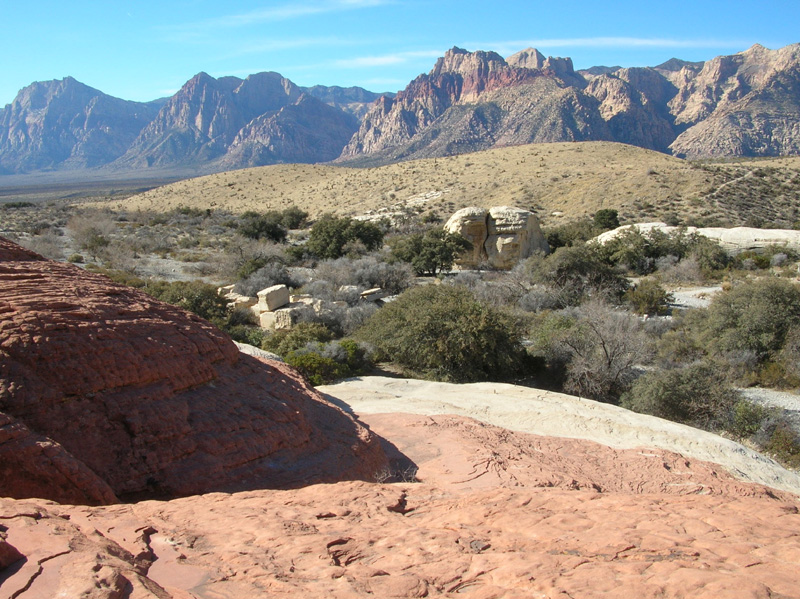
497,514
114,393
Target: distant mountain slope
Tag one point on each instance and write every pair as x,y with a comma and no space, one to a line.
66,124
742,105
210,124
746,104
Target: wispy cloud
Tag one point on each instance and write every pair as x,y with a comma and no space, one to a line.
385,59
282,12
605,42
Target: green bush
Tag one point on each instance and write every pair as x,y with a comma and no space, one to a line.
195,296
443,332
606,219
263,226
324,363
430,253
697,395
753,316
648,297
330,234
784,444
747,418
569,234
318,369
284,341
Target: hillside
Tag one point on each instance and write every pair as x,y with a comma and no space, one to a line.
561,181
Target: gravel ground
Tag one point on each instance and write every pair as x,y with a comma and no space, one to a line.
778,399
693,297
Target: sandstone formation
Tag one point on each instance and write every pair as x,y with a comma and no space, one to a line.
500,236
734,240
496,514
106,392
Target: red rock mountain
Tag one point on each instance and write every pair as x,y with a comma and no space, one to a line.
744,104
106,393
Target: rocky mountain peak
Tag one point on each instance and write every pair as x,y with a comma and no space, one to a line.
530,58
460,61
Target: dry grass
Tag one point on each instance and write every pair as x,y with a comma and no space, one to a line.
560,181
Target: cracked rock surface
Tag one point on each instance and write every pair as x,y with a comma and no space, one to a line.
496,514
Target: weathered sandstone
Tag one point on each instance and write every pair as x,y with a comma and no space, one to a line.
497,514
501,236
734,240
100,381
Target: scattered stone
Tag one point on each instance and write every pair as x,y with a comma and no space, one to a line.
272,298
374,294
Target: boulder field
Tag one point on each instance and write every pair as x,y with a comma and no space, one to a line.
107,394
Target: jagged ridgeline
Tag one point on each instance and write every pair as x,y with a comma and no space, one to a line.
746,104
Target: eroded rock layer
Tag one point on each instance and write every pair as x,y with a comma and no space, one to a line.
497,514
105,391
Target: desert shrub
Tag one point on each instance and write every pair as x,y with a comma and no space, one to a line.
784,444
606,219
709,255
697,395
252,335
263,226
431,252
324,363
293,217
330,234
15,205
754,315
648,297
75,259
270,274
194,296
644,252
366,273
602,348
284,341
569,234
747,418
92,231
575,273
444,333
318,369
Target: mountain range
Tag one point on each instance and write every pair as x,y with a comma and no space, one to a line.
746,104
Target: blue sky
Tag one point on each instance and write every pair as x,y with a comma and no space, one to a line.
144,49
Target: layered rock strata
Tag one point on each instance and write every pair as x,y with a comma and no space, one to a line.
106,392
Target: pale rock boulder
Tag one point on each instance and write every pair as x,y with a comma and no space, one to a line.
236,300
500,236
470,223
272,298
734,240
